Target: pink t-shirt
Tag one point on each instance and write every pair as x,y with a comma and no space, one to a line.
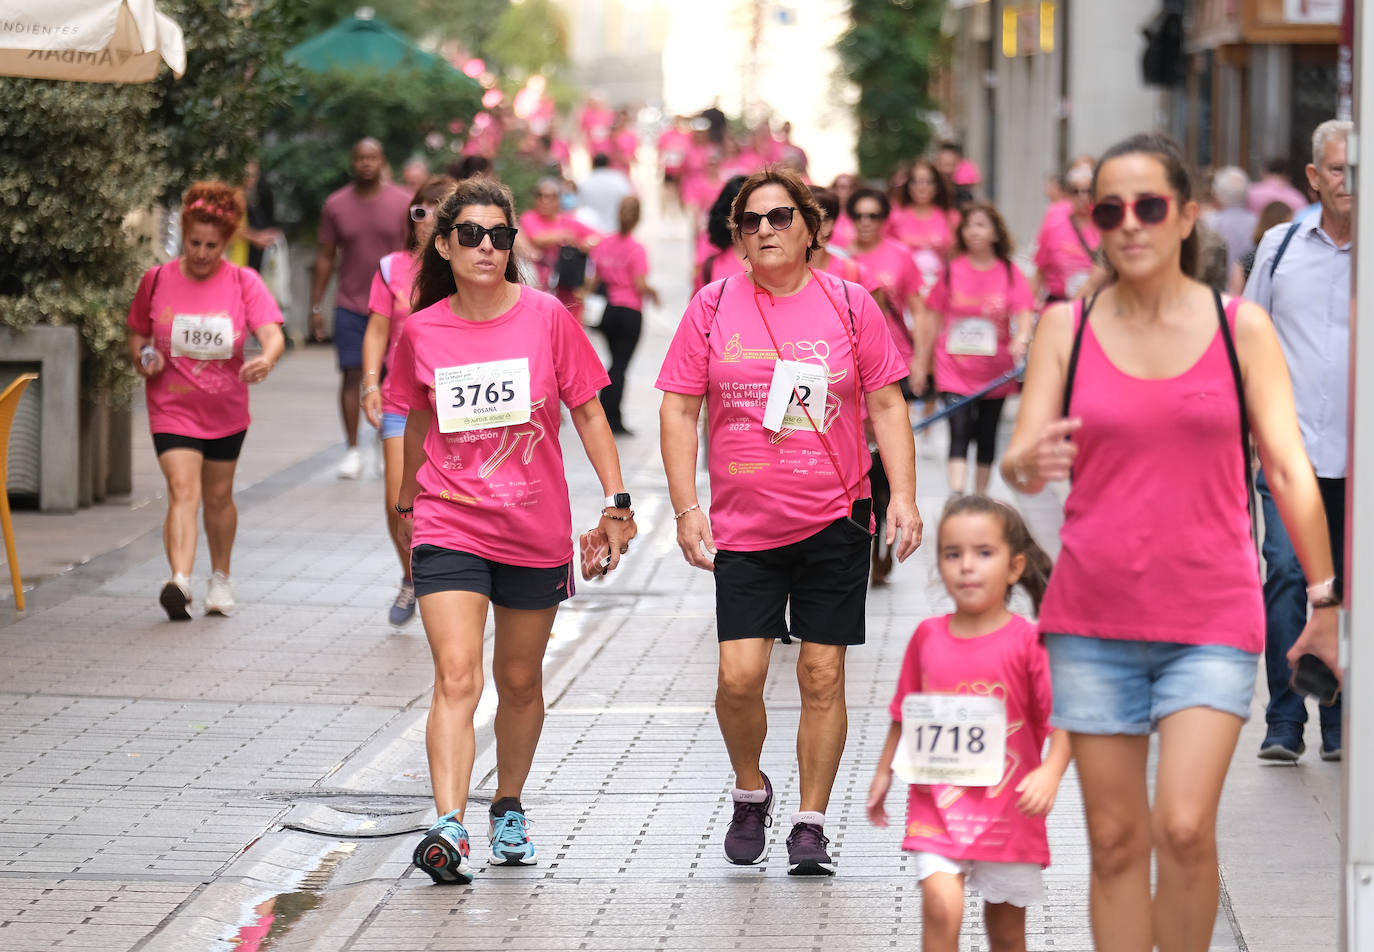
714,263
851,269
1156,542
930,236
672,149
619,260
200,398
363,229
843,234
1063,262
981,823
772,489
500,492
988,297
896,273
390,297
532,225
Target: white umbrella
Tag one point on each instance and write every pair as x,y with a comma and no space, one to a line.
94,41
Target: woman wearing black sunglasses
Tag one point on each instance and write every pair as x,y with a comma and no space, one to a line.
482,366
786,358
1149,394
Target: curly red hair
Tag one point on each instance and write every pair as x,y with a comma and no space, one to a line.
213,203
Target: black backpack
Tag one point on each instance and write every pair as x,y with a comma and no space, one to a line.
570,271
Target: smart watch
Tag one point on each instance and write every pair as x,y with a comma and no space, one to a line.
618,501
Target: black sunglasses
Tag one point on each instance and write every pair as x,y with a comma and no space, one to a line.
779,219
873,216
1110,213
470,235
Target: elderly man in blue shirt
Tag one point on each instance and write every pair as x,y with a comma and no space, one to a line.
1302,278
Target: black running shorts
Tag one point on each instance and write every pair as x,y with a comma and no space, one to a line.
824,578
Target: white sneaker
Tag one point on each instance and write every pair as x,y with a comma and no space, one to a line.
351,467
176,598
219,600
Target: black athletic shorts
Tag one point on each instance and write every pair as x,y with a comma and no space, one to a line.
223,450
824,578
436,569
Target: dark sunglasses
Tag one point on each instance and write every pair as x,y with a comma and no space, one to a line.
1109,214
419,213
875,216
470,235
779,219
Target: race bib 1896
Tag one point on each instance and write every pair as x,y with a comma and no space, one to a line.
203,336
477,396
958,739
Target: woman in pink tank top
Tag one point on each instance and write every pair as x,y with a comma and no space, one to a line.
1153,618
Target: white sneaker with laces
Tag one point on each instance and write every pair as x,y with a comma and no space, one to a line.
351,466
219,600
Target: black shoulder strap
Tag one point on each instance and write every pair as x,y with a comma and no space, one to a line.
1073,354
711,325
1283,245
1081,240
1234,360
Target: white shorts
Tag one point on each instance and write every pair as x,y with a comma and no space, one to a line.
1018,884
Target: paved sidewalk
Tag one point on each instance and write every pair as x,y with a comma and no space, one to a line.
258,782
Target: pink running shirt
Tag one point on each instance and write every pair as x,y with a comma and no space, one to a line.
390,297
772,489
929,237
892,267
981,823
1063,262
501,492
1156,542
993,296
619,260
200,398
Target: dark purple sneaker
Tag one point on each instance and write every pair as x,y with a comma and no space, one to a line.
806,855
746,842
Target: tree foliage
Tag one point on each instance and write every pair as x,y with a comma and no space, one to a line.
411,111
471,23
212,116
77,158
891,51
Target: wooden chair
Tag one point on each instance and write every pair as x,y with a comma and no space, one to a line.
9,401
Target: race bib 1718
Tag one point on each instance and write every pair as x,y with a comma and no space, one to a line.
958,739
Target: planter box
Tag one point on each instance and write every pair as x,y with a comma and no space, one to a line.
57,353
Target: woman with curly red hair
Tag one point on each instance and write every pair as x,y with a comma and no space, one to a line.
187,327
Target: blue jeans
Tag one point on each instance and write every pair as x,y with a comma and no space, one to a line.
1285,614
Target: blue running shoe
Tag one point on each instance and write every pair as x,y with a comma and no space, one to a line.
510,840
403,609
443,853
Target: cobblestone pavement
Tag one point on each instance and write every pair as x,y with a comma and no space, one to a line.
258,782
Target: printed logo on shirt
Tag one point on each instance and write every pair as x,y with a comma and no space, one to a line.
737,468
532,433
735,352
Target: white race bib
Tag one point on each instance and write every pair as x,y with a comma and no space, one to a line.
972,337
796,383
477,396
203,336
958,739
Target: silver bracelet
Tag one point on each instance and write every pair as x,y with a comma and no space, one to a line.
679,515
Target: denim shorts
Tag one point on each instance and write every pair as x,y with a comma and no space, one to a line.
349,328
1117,686
393,425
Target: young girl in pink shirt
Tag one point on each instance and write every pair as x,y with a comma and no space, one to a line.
990,837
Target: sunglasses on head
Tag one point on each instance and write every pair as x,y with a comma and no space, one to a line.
470,235
1110,213
779,218
419,213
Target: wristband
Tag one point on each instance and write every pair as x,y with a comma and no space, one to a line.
404,510
1323,594
679,515
607,515
316,309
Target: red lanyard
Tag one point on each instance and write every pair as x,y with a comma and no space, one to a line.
858,383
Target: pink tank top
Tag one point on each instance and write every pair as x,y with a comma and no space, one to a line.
1156,541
